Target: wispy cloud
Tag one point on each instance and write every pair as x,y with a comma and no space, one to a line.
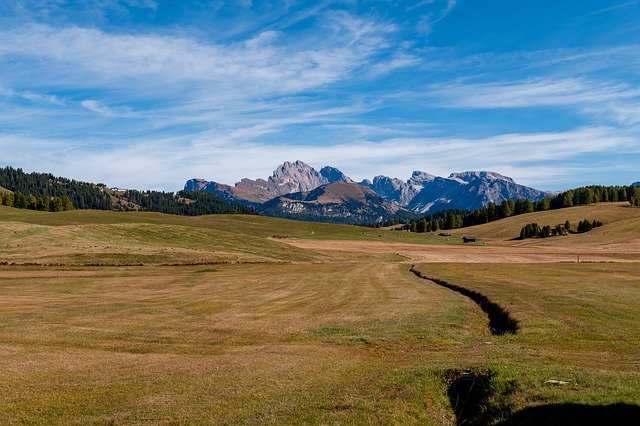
429,19
100,108
530,158
533,93
231,89
32,96
264,63
614,7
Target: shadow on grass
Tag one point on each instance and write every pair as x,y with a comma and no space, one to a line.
478,397
576,414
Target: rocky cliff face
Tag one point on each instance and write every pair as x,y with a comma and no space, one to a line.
331,174
470,190
395,190
287,178
292,187
424,193
338,201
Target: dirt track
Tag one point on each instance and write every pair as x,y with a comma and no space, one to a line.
480,253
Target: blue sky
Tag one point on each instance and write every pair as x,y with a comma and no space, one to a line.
148,93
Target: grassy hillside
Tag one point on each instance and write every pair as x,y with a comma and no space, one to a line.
621,223
271,333
240,225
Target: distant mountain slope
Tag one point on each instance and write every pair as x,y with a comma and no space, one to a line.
286,179
339,201
421,193
636,183
331,174
470,190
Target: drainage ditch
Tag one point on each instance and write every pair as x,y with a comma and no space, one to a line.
477,398
500,321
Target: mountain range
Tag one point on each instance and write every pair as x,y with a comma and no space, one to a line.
297,190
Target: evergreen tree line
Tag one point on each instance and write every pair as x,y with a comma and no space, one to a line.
533,230
185,203
83,195
452,219
31,202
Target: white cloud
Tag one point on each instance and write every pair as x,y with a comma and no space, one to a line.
238,106
532,93
32,96
613,7
428,20
89,57
100,108
166,163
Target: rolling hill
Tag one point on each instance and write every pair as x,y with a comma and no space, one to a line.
129,317
621,223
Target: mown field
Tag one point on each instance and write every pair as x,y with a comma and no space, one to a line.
622,222
145,318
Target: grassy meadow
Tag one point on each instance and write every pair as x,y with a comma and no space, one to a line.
622,220
130,318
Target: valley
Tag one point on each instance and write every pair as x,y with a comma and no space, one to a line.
132,317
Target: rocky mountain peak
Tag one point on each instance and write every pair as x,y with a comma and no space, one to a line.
297,176
421,193
195,185
332,174
471,176
418,177
386,181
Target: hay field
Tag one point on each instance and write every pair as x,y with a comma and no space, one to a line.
622,220
143,319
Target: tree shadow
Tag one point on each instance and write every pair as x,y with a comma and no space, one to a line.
576,414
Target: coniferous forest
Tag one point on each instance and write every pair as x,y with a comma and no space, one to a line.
46,192
452,219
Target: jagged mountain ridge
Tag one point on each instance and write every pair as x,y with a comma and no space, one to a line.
292,186
286,179
338,201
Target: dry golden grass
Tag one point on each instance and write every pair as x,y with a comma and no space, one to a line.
330,327
242,343
480,253
579,323
622,224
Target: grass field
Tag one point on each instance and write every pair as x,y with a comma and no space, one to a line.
146,318
622,220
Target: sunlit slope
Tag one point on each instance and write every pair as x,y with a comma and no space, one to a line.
621,224
260,226
106,238
89,237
